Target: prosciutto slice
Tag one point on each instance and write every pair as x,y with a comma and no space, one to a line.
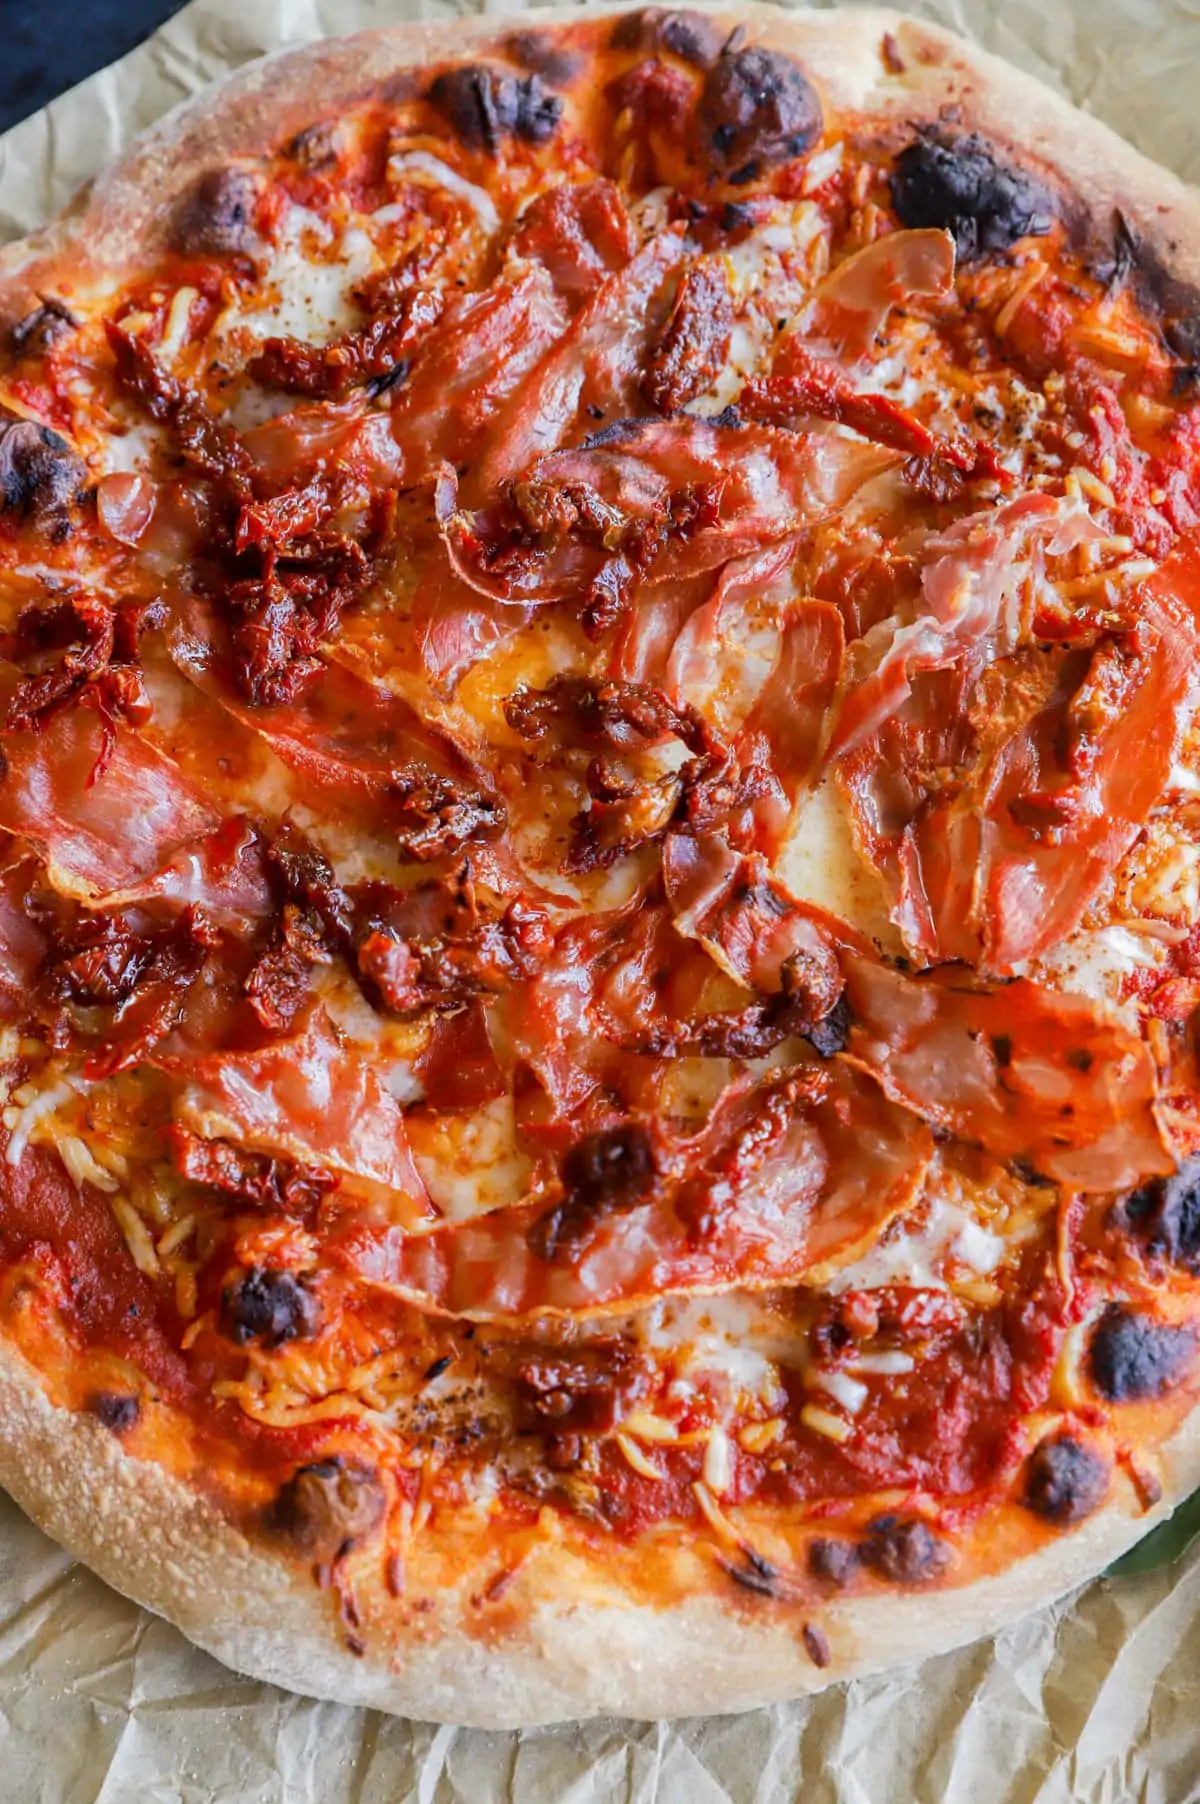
345,736
855,298
797,1170
1027,1073
310,1098
98,800
971,606
596,364
1004,869
748,921
480,358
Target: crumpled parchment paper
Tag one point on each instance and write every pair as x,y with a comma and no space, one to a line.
1094,1701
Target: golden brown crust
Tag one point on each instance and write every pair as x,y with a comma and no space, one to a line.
569,1649
568,1655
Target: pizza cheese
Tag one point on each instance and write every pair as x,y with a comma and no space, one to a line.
599,920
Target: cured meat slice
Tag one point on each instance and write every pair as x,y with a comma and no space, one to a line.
798,1169
596,364
1029,1074
1004,868
102,804
310,1098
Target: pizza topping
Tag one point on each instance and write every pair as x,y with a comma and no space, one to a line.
959,185
374,358
106,804
756,109
308,1099
327,1507
788,1170
253,1178
487,104
1065,1480
583,1391
270,1307
1029,1074
581,232
1016,858
691,352
1132,1356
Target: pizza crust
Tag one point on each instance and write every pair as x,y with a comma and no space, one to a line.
161,1543
573,1650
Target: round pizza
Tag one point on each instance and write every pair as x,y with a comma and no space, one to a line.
600,912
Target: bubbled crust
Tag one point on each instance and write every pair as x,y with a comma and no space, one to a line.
571,1648
571,1645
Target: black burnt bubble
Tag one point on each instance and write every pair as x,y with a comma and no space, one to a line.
690,36
834,1562
1165,1216
117,1411
757,109
960,186
217,218
538,52
1064,1480
1133,1357
903,1549
40,475
486,105
269,1306
325,1507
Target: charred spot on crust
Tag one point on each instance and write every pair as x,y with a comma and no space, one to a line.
40,476
903,1549
1064,1480
269,1306
583,1390
538,52
834,1562
603,1174
117,1411
486,105
1165,1216
45,326
960,185
217,218
689,36
1176,302
1133,1357
757,109
324,1508
316,147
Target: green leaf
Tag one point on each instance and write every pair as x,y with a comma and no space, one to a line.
1164,1543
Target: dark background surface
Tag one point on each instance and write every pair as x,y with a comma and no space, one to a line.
49,45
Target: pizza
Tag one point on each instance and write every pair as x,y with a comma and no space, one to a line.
600,912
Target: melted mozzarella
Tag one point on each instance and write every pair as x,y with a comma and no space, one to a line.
917,1255
311,282
471,1163
1096,963
737,1337
819,864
